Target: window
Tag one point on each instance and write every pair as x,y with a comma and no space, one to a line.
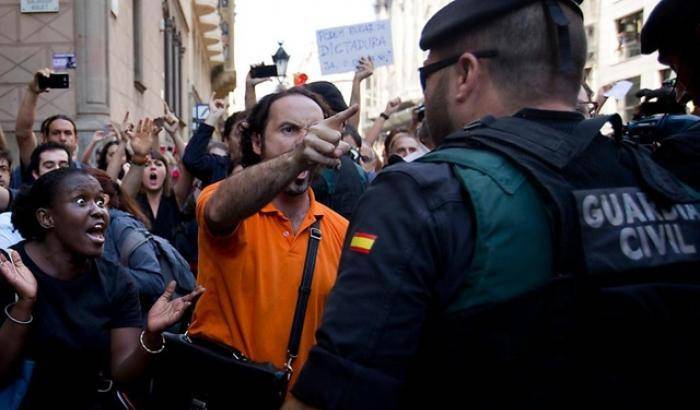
173,66
629,31
631,101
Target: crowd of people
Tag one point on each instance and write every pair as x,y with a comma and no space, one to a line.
509,246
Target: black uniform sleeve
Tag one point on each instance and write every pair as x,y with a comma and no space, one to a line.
375,314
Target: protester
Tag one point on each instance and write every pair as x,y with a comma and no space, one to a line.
5,169
370,161
48,157
673,28
488,273
125,220
149,182
77,317
57,128
257,223
378,124
250,97
97,137
207,167
400,142
364,70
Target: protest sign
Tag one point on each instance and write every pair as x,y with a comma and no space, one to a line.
340,48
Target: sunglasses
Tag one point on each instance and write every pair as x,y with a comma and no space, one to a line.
427,70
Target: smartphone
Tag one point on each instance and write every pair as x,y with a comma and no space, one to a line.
420,112
53,81
158,122
263,71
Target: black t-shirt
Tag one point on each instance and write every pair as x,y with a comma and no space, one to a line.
70,335
169,217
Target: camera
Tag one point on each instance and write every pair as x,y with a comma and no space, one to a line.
659,116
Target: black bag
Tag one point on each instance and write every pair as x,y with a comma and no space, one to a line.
200,374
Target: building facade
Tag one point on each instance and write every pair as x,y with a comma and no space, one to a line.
400,79
129,55
613,28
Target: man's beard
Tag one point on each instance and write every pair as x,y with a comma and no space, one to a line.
299,186
436,115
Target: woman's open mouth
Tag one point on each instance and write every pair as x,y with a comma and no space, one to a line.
97,233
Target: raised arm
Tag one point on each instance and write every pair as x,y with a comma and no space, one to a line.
141,141
3,140
196,158
96,138
24,124
391,107
250,84
183,186
244,193
365,68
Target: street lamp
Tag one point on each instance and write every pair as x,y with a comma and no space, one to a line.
281,60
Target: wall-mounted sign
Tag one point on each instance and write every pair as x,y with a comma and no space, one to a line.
200,112
39,6
63,61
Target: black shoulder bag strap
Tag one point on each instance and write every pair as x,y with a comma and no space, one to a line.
303,298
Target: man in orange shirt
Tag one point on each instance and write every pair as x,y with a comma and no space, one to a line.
255,225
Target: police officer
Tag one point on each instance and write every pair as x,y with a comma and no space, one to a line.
517,264
673,28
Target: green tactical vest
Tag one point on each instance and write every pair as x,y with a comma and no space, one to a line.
513,249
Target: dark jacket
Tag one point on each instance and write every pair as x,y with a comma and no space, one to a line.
199,162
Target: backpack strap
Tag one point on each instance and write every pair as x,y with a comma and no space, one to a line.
303,298
133,240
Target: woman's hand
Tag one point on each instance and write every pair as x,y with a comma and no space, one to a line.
167,311
18,276
98,136
170,121
142,138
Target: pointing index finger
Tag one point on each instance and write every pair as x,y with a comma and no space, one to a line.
336,121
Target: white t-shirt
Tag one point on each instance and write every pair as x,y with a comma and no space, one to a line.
8,235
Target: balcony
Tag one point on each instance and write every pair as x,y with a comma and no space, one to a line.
209,22
202,7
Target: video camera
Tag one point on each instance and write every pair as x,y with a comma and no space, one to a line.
659,115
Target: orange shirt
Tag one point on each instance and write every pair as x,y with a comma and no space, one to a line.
252,279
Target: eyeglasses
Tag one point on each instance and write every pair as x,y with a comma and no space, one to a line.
427,70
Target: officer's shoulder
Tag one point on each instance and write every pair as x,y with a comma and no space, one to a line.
434,181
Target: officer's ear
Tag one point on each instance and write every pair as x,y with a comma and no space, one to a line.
468,70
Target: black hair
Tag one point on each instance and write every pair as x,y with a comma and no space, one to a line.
352,131
231,121
40,194
7,157
35,160
102,162
533,59
47,123
257,120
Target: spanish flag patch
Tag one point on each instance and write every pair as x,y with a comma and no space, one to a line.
362,242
